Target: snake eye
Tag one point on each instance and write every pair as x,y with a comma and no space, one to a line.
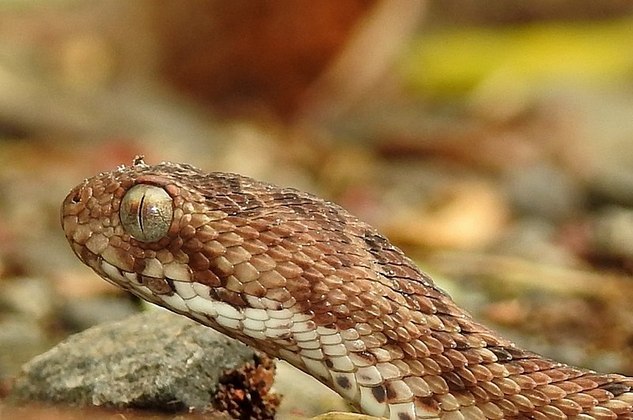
146,212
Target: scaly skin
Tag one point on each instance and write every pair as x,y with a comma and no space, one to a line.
303,280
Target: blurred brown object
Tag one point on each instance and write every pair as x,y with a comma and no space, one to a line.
243,55
504,12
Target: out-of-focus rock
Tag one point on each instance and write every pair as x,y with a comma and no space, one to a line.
20,339
85,312
544,191
536,240
27,307
153,360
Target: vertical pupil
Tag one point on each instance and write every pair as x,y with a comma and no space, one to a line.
141,212
146,212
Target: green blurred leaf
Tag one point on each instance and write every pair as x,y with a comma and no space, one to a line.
455,61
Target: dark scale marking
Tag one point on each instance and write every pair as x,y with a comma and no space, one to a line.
300,203
228,296
454,381
170,283
404,416
249,204
379,393
616,388
502,353
158,286
391,393
139,265
429,403
518,354
234,184
376,241
343,382
364,377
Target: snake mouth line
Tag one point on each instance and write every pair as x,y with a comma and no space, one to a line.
194,299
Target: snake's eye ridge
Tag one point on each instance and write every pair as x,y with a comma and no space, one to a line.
146,212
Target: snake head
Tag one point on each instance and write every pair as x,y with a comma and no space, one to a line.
119,223
226,250
149,230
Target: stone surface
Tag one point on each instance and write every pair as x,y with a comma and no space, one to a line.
156,360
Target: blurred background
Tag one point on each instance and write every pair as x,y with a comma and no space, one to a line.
492,141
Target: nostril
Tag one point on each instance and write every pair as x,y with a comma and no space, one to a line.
76,198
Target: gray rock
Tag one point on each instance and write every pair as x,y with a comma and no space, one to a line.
544,191
534,239
154,359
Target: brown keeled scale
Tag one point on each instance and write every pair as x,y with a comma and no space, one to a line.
301,279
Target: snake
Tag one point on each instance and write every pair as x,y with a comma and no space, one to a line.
303,280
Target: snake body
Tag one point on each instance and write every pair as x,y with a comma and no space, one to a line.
301,279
